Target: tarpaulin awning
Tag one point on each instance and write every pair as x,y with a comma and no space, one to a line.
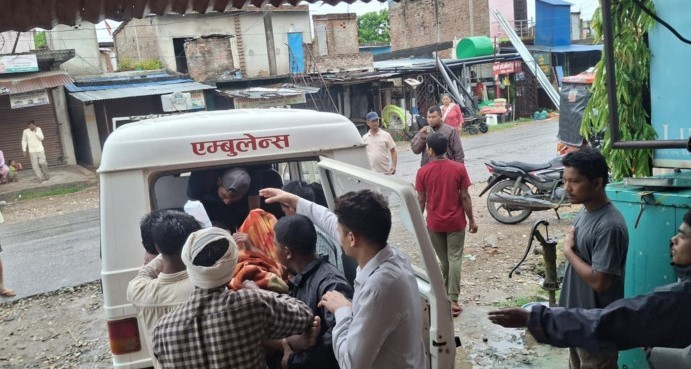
270,92
23,15
134,91
26,82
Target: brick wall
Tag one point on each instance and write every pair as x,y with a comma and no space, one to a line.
416,23
340,63
136,40
341,32
209,58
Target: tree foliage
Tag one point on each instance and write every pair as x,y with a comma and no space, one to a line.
632,68
373,28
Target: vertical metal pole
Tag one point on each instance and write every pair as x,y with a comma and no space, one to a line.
16,41
270,46
613,107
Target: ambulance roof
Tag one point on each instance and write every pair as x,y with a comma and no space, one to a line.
219,136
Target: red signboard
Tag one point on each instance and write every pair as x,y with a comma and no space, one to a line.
507,67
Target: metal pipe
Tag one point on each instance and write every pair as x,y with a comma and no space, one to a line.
612,103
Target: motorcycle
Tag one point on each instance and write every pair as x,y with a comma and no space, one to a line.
516,189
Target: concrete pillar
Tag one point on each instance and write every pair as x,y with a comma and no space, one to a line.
92,132
270,47
64,126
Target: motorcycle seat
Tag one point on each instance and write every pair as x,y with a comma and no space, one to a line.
528,167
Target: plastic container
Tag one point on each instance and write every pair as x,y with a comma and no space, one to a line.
471,47
491,119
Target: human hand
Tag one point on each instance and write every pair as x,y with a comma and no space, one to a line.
250,285
510,318
243,240
472,227
393,170
275,195
333,300
287,351
569,240
309,337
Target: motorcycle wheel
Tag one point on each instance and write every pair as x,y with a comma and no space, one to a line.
503,213
484,127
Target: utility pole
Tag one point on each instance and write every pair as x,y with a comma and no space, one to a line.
270,47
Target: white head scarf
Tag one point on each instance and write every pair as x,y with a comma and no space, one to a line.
217,274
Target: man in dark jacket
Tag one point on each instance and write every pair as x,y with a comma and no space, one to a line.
296,242
419,143
657,319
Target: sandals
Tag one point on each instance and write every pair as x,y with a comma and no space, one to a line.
7,293
455,309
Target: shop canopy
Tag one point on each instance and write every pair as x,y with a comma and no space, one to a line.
23,15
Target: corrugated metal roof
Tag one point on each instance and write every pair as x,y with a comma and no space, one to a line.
269,92
26,82
72,87
158,89
24,15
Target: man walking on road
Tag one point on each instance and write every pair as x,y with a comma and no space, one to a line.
442,188
419,142
32,140
381,148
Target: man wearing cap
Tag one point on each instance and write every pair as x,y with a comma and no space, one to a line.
381,148
221,328
228,195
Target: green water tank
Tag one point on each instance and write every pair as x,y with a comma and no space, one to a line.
471,47
652,216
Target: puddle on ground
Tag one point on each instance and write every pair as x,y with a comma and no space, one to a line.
489,346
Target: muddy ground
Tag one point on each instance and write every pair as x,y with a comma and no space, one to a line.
66,328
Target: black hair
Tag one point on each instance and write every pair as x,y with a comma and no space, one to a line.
438,143
211,253
366,214
171,229
589,163
297,233
687,218
30,122
319,197
301,189
145,230
434,109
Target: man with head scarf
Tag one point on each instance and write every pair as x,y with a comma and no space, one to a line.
219,328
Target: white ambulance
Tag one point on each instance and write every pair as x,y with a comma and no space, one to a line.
146,165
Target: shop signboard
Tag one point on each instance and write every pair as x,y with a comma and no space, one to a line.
20,63
508,67
27,99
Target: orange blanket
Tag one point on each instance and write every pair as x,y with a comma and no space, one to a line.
260,263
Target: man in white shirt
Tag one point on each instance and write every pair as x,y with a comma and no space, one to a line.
382,327
163,283
32,141
381,148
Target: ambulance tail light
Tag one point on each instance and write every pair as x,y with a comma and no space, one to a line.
124,336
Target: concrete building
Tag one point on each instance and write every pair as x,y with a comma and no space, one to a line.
82,39
257,41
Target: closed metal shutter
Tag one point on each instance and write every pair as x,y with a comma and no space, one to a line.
13,122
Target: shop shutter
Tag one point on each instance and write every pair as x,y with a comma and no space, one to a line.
13,122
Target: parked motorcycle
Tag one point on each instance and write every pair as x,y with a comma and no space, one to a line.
516,189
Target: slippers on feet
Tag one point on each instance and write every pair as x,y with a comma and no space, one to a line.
7,293
455,309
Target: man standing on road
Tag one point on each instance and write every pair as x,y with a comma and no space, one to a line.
658,319
162,284
381,148
434,121
32,140
595,248
442,188
381,327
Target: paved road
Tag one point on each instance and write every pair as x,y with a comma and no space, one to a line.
534,142
54,252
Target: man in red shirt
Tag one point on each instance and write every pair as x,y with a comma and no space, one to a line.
442,189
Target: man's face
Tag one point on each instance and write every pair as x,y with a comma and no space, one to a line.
227,197
282,252
32,126
433,119
681,246
344,238
578,187
373,124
